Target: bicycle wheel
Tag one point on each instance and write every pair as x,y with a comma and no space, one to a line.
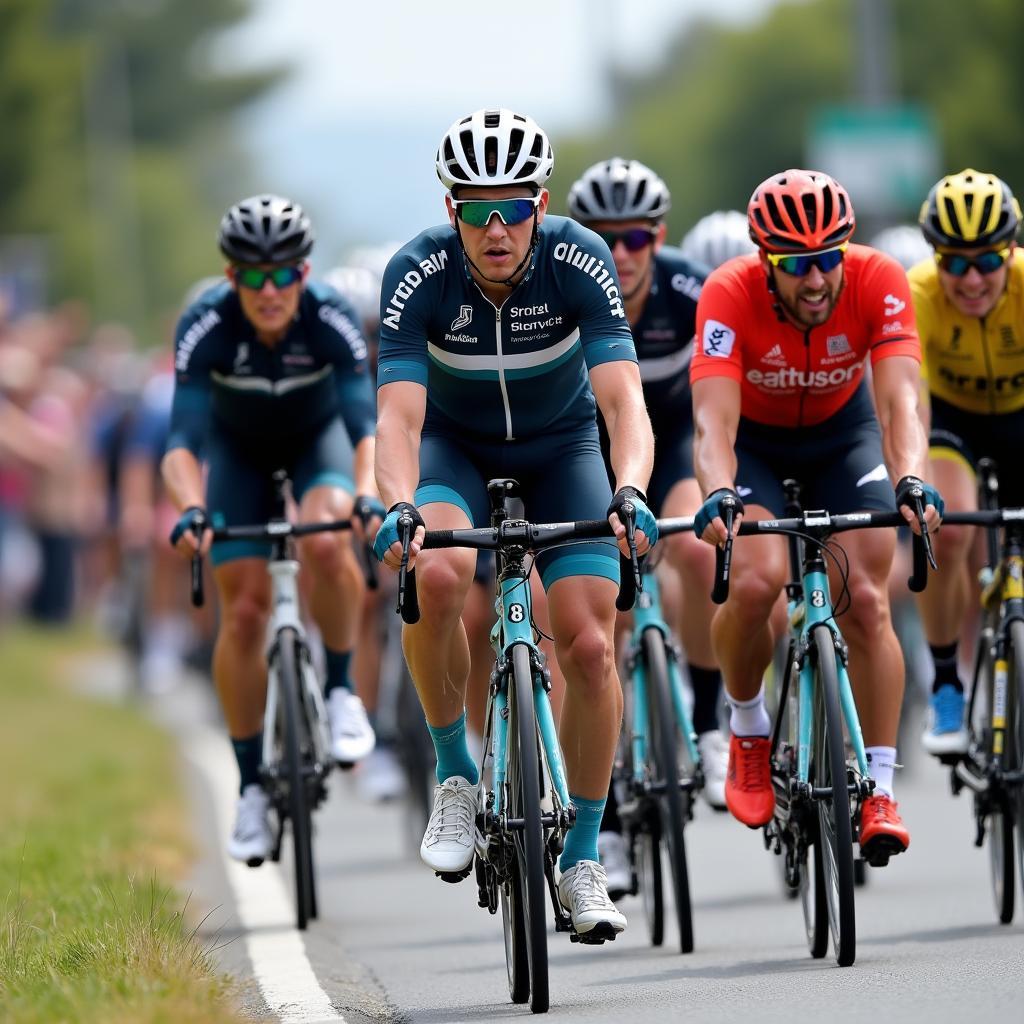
288,679
828,771
647,854
813,900
664,753
527,888
1016,723
999,826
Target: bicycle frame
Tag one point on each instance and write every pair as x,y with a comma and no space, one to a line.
647,615
515,626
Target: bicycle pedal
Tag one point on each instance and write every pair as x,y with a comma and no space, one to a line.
879,850
597,935
345,766
454,876
950,760
254,862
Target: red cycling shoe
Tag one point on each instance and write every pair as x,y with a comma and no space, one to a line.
748,782
882,832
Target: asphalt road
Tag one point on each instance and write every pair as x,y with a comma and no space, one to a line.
394,943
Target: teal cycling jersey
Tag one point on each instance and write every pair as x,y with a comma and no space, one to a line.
226,378
508,372
664,335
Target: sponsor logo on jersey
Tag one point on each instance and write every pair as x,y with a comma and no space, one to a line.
837,344
970,382
689,286
894,305
334,317
461,339
791,377
893,327
193,336
519,326
718,339
464,317
595,268
412,279
774,356
1006,336
241,358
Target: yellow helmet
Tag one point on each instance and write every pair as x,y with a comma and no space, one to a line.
969,210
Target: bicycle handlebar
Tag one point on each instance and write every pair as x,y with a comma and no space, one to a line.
535,536
273,530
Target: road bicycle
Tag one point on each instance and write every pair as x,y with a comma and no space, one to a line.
660,771
993,766
524,811
818,791
296,757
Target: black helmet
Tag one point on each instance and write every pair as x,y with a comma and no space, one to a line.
265,229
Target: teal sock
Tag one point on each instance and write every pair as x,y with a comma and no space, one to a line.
337,670
248,754
453,756
581,841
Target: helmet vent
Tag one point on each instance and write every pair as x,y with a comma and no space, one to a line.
491,119
466,139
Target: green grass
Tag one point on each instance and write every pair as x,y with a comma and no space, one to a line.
92,842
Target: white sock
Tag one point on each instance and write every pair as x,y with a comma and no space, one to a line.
881,765
749,717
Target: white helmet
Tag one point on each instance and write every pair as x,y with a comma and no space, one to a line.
494,147
718,237
360,286
904,243
619,189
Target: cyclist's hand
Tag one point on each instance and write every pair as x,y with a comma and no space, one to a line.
911,487
367,515
388,544
646,535
192,533
708,524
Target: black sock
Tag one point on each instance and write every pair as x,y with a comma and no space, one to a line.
944,656
707,689
610,820
248,753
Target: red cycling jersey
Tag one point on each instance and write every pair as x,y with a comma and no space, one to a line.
791,377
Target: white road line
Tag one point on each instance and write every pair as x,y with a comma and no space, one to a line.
264,905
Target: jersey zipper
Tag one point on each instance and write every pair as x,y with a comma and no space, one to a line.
807,373
502,384
988,366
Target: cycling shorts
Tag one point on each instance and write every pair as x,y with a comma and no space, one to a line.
561,479
838,463
239,487
970,436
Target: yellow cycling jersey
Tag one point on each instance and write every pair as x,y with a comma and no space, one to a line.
974,363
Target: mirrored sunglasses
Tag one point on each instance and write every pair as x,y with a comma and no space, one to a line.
800,264
477,213
985,263
254,278
634,239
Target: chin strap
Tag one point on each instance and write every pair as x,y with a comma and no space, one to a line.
509,281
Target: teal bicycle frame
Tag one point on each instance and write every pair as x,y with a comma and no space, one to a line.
515,626
647,615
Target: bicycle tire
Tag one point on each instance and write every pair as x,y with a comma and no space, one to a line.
664,749
813,901
517,961
523,781
835,831
298,797
1017,686
999,827
651,878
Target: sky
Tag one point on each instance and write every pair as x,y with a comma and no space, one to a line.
353,131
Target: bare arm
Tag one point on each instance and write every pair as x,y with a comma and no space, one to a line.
620,398
716,417
896,384
363,468
183,480
401,407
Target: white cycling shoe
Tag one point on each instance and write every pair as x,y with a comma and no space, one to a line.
713,748
448,842
352,736
583,892
252,839
614,855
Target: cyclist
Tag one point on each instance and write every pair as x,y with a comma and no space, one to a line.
270,373
717,237
499,331
783,338
969,302
625,202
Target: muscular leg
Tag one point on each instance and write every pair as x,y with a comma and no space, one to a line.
239,664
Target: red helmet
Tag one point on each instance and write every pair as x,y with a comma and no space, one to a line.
800,211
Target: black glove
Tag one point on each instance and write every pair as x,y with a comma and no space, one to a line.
194,518
368,507
643,518
905,494
389,531
712,507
